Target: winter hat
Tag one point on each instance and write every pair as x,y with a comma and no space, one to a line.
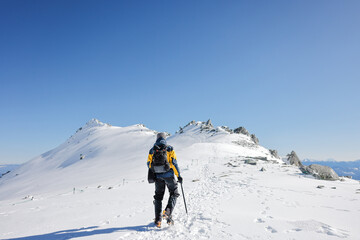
161,135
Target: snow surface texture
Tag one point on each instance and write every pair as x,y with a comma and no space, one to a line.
94,187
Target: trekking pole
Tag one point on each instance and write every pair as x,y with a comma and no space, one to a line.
182,190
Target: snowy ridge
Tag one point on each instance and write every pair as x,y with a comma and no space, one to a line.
196,138
94,186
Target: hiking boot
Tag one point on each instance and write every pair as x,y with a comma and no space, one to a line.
166,213
170,221
168,217
158,224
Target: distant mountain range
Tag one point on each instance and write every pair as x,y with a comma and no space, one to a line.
341,168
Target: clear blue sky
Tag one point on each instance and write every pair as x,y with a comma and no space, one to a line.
289,71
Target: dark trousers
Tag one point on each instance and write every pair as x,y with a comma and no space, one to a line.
160,184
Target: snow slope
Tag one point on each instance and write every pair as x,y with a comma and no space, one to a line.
105,194
4,169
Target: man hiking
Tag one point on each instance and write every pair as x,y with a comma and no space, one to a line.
162,161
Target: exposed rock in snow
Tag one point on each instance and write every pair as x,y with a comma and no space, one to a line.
274,153
191,123
241,130
181,129
250,161
224,128
320,172
255,139
293,159
3,174
7,168
207,125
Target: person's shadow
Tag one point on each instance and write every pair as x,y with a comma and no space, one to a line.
83,232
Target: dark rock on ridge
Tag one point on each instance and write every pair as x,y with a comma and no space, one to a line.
293,159
242,130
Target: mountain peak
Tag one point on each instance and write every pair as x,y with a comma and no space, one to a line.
93,123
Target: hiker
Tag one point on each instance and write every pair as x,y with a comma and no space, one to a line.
162,161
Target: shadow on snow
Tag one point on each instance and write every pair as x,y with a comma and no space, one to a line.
84,232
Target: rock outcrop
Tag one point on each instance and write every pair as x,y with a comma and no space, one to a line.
293,159
320,172
274,153
242,130
316,170
250,161
226,129
255,139
207,125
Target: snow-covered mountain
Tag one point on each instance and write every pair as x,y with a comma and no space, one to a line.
98,153
94,186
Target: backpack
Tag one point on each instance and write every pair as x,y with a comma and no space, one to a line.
160,164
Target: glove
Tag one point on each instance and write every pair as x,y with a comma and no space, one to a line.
180,179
